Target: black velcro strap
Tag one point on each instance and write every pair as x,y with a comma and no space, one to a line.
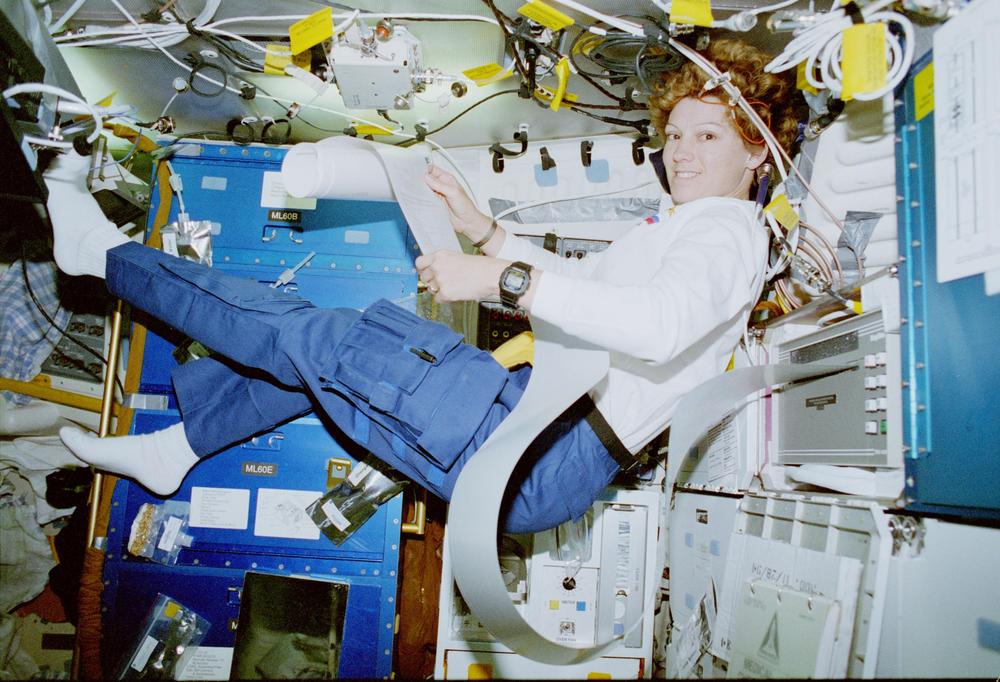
626,460
854,12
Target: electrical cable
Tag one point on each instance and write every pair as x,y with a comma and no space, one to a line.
196,71
66,16
52,323
44,88
459,115
823,42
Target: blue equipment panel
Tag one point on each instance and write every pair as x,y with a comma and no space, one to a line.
299,453
366,649
364,252
209,574
950,337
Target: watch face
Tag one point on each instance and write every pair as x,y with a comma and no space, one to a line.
515,280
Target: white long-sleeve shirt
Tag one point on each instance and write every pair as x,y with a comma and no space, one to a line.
669,300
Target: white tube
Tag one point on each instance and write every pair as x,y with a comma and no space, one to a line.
316,170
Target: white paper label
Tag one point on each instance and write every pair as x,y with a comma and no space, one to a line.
357,236
142,655
357,473
966,144
215,183
273,194
336,517
282,514
207,663
169,242
227,508
169,538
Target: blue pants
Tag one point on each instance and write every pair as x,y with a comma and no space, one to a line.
406,389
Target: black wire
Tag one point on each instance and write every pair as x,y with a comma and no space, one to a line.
52,323
407,143
201,67
503,20
296,118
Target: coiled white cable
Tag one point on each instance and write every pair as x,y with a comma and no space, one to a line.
822,43
44,88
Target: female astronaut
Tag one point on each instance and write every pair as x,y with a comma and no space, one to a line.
669,300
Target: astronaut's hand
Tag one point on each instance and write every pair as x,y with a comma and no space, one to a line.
452,276
462,212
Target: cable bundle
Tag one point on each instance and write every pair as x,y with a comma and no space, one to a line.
821,45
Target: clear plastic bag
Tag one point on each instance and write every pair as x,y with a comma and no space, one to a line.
159,531
170,631
346,507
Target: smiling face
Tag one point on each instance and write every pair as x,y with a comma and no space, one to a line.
704,154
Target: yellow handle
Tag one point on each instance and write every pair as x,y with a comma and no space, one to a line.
419,522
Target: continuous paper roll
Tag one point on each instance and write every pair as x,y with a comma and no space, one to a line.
565,369
348,168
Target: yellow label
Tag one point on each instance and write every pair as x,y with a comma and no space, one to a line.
783,212
486,74
800,79
106,102
599,676
363,129
171,609
480,671
312,30
697,12
553,605
547,95
923,91
863,59
549,17
562,72
279,55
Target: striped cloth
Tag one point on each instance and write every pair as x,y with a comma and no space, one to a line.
26,337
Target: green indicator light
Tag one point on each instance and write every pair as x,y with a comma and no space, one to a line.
884,427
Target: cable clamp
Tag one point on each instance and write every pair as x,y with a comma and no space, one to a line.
852,10
725,80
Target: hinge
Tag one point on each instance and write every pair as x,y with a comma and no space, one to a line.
908,532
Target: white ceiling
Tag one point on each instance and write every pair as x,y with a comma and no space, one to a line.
143,77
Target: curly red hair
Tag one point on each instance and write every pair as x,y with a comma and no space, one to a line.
772,95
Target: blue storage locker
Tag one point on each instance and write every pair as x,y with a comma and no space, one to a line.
366,649
950,337
363,252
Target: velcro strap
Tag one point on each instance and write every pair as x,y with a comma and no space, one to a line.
628,462
384,397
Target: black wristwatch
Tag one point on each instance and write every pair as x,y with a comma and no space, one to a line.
514,281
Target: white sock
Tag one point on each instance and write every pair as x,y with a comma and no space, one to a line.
159,461
82,234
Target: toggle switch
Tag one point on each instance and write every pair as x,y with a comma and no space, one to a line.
871,427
